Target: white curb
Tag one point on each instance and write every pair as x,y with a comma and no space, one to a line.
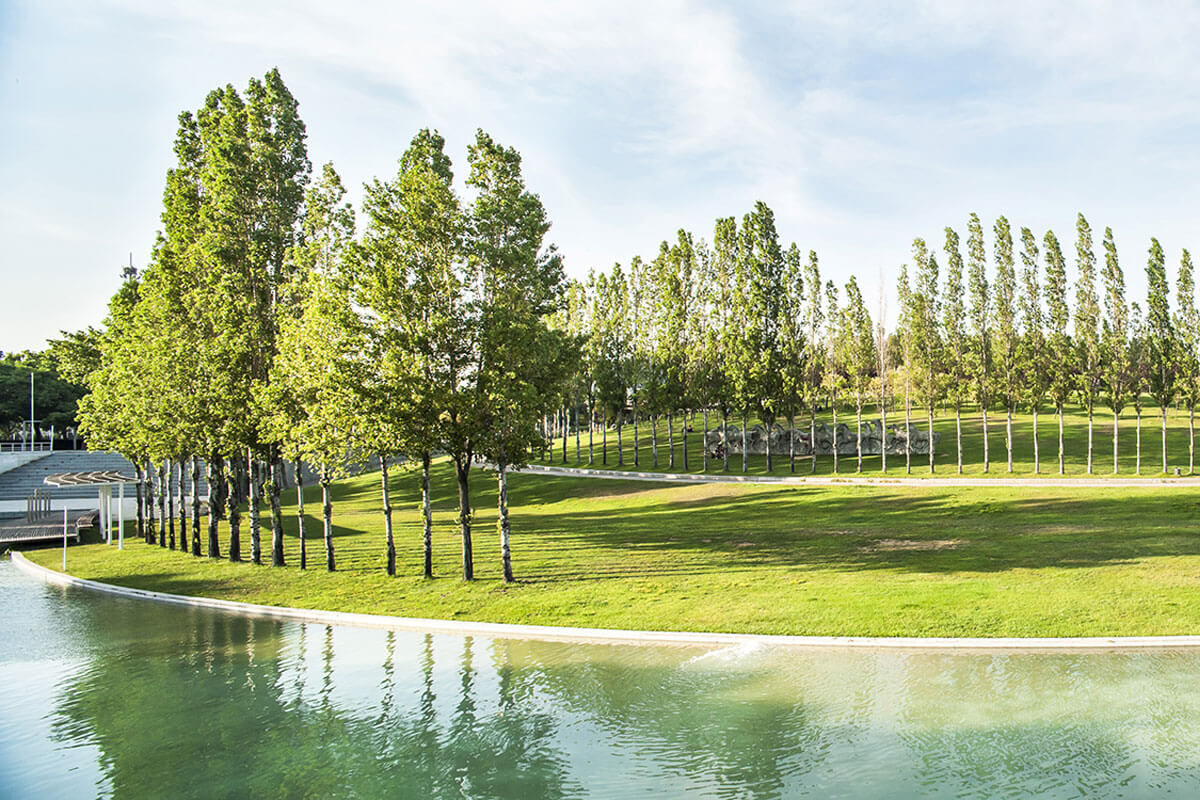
611,636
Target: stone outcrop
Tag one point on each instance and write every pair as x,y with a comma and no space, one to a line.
874,439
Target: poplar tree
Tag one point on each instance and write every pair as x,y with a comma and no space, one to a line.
954,317
1161,347
814,318
1087,327
857,345
1187,329
1007,339
793,345
1060,352
1115,342
1034,373
981,336
1139,361
927,338
407,281
520,283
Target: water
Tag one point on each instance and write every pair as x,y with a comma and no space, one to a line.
106,697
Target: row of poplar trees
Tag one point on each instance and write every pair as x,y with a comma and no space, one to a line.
744,326
267,330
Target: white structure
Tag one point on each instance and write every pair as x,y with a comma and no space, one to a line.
104,481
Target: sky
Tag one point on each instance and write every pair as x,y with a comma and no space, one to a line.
861,127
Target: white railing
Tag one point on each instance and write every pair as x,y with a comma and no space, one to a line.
26,447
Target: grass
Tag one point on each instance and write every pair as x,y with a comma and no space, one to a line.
842,560
1074,445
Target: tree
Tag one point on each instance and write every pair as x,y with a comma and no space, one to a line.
1034,375
1115,342
793,345
857,346
1187,330
927,340
1087,326
406,278
1139,383
981,338
1060,352
1005,325
1161,346
814,318
519,283
954,326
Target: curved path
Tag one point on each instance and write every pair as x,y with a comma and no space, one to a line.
611,636
857,480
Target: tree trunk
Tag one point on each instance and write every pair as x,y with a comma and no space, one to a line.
503,522
745,442
958,434
986,454
792,442
704,443
426,516
637,443
578,449
858,442
168,519
1137,468
620,444
929,409
151,526
683,441
216,479
195,506
1163,415
725,439
1089,463
812,435
1062,461
1008,442
654,439
566,427
388,534
1116,452
274,490
1037,455
141,520
833,407
252,469
183,533
671,441
235,520
907,432
604,443
300,533
462,470
591,435
883,435
327,513
1191,438
767,425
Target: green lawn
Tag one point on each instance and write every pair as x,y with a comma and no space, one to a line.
1074,449
852,560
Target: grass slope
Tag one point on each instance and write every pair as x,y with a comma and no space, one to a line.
848,560
1074,445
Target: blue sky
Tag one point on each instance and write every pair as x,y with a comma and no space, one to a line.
861,128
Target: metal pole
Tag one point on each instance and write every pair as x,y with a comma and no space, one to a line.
100,510
121,516
31,412
64,536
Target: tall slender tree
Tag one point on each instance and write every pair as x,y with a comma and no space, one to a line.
1087,328
1187,331
1115,341
1007,337
954,326
1034,373
981,335
1161,346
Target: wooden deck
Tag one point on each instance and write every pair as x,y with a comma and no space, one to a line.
50,528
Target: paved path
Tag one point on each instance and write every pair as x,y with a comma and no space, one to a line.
853,480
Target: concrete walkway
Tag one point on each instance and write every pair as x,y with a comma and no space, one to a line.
856,480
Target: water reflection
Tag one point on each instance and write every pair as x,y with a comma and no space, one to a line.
126,699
